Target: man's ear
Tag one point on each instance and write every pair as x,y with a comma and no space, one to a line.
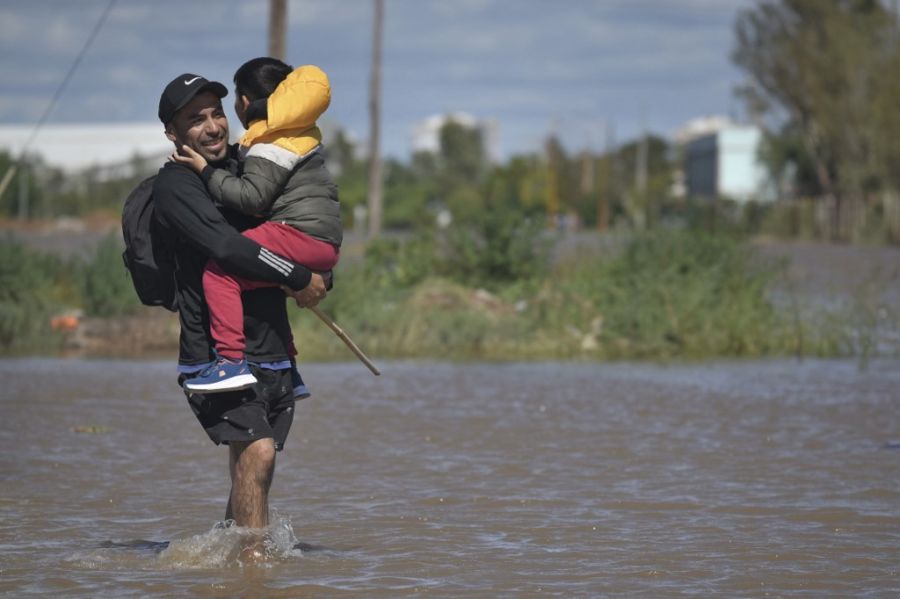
170,133
245,102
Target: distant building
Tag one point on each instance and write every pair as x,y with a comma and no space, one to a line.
426,135
724,163
699,127
76,147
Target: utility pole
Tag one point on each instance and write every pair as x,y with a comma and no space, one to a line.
551,193
640,175
375,182
896,19
587,167
277,28
552,198
609,171
10,173
23,195
640,166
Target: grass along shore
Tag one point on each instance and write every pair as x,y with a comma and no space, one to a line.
663,296
666,295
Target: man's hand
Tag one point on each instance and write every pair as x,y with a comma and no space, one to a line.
310,295
186,155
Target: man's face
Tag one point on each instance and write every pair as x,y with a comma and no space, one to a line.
202,126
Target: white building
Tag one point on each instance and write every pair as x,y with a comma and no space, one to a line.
75,147
110,147
724,163
699,127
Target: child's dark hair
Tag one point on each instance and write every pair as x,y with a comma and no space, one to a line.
258,78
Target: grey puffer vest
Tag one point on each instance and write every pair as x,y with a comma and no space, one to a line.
310,203
299,192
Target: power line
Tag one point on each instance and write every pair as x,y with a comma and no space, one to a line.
59,91
65,81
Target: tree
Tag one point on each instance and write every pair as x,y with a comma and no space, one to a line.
23,196
816,71
462,153
556,167
461,169
643,201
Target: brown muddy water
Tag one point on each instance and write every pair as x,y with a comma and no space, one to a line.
766,478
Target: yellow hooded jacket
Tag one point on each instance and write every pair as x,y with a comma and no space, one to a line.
283,178
293,109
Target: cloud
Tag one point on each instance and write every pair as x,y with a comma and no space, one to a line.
519,61
13,28
104,108
60,35
126,75
18,78
461,7
23,108
334,14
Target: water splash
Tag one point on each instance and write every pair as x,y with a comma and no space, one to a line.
227,545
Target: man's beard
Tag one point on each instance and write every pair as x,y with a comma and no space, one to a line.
213,155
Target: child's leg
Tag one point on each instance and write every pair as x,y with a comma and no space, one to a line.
298,247
226,311
223,291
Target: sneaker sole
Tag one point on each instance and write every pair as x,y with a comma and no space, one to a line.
235,383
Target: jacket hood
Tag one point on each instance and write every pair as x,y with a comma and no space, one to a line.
292,110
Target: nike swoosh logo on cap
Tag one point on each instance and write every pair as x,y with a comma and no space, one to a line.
189,81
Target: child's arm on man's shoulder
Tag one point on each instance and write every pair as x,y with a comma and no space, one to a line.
267,169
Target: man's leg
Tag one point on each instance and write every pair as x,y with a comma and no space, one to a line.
252,467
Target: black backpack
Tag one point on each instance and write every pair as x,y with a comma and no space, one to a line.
149,255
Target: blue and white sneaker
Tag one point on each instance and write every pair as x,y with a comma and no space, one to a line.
222,375
301,391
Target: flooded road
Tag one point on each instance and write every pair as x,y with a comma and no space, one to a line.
761,478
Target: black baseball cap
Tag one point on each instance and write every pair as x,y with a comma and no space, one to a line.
182,90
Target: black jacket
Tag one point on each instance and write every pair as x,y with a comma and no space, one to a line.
201,232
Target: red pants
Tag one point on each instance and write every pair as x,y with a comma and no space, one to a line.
223,291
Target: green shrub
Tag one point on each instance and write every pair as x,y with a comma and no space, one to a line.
27,292
499,248
104,283
668,294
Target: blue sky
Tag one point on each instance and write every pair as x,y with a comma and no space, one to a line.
531,66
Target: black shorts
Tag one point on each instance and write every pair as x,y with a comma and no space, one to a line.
265,410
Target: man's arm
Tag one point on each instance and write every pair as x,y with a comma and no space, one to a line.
266,171
183,204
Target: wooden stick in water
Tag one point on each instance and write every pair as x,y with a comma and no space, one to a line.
346,339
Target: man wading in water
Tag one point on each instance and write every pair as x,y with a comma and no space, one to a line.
253,422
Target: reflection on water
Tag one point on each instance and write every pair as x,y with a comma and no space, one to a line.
722,479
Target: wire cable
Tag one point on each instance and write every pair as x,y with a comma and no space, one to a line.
59,91
68,77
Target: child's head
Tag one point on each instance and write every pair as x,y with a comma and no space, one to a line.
256,80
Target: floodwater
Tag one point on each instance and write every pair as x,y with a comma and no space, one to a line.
765,478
